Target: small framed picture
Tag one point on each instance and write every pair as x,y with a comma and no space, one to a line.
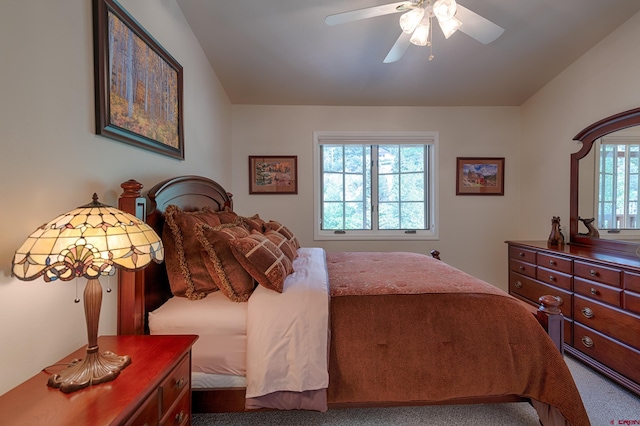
479,176
273,174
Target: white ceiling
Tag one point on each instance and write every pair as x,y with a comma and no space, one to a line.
280,52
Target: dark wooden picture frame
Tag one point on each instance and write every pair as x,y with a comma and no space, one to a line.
138,84
273,174
480,176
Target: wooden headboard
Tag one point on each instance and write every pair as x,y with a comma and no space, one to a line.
143,291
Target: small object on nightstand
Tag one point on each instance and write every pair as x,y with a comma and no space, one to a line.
555,238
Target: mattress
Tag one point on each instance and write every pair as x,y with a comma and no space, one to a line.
221,325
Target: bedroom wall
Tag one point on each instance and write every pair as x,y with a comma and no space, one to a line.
601,83
51,160
472,228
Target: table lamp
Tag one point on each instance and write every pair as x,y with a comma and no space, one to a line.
89,241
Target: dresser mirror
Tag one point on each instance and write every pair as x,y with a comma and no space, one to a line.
605,184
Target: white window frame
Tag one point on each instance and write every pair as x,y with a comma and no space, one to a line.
376,138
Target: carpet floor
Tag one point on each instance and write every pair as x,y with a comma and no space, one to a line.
606,404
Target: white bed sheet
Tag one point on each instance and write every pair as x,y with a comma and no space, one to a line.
221,325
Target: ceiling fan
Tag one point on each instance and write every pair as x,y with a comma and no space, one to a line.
416,21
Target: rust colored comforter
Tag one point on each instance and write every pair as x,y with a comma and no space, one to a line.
406,327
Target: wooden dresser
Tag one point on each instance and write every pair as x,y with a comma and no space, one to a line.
155,389
600,291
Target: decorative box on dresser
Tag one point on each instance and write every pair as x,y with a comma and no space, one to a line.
600,291
155,389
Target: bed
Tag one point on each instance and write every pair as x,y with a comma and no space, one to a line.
391,338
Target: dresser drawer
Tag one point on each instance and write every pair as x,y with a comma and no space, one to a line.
522,254
524,268
175,383
554,278
619,357
597,272
531,290
631,281
556,263
632,302
596,291
611,321
148,413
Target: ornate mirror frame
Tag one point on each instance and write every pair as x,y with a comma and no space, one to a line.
588,136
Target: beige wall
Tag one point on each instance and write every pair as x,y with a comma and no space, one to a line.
52,161
601,83
472,228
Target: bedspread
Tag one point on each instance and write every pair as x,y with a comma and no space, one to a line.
406,327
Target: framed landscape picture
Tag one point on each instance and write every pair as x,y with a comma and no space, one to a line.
273,174
479,176
138,84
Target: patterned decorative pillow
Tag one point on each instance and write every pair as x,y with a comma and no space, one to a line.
282,243
183,256
228,273
227,216
278,227
253,223
266,263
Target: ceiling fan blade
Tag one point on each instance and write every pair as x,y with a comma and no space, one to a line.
369,12
398,49
478,27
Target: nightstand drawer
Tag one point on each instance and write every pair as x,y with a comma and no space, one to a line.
556,263
148,413
175,383
596,291
595,272
180,413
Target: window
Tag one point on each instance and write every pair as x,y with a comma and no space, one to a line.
375,185
617,183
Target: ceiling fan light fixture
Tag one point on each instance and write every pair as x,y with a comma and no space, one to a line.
449,26
420,36
410,20
445,9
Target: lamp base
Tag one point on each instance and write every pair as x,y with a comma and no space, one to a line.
94,369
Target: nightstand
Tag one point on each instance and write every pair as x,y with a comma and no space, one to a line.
154,389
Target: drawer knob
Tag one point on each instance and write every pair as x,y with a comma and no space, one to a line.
552,278
180,417
521,254
588,313
518,284
593,291
521,268
552,262
587,342
180,383
593,272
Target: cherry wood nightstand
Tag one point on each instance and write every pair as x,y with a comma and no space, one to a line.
154,389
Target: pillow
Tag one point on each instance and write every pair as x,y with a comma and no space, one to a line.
280,228
187,274
282,243
227,216
253,223
266,263
228,274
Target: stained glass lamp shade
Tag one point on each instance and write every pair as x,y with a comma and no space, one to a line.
89,241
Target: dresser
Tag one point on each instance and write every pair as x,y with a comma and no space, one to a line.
600,293
155,389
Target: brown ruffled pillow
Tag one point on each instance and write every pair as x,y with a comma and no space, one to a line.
227,216
187,274
266,263
282,243
280,228
253,223
228,273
